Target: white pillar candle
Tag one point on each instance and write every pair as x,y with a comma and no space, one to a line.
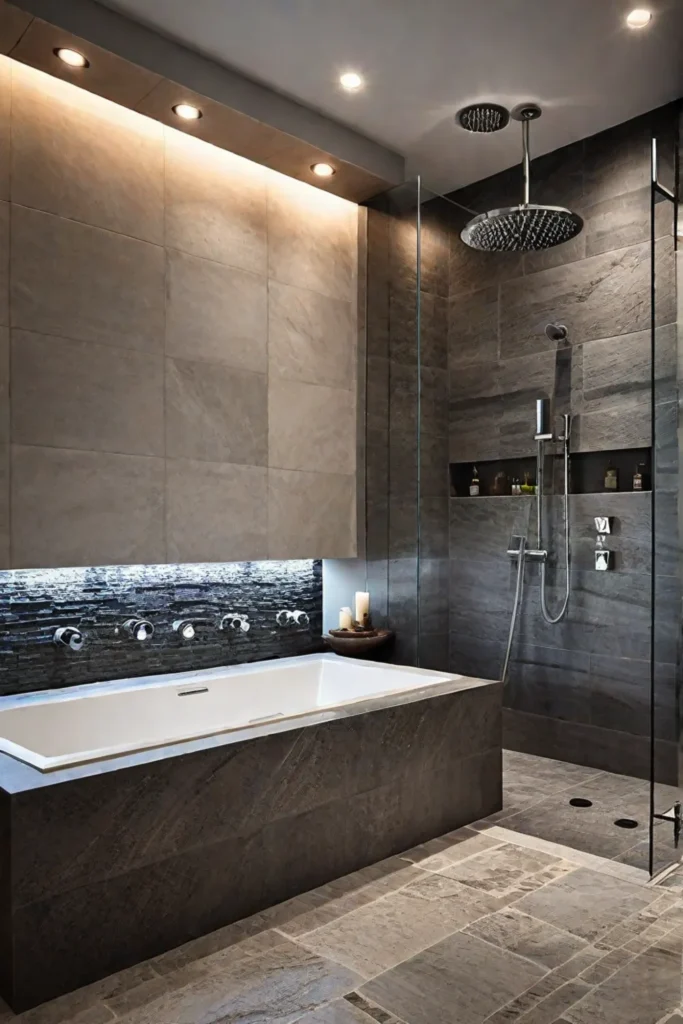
345,619
362,607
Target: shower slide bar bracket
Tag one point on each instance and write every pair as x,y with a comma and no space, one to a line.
515,546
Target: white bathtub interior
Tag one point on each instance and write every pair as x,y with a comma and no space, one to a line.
86,723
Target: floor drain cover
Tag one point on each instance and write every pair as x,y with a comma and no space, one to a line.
626,823
579,801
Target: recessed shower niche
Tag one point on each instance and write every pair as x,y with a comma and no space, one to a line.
586,473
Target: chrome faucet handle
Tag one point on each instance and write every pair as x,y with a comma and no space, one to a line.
295,618
139,629
234,620
185,629
69,636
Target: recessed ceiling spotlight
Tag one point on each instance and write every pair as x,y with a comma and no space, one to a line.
323,170
71,57
351,81
639,18
187,111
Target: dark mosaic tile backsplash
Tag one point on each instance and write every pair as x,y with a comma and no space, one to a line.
33,602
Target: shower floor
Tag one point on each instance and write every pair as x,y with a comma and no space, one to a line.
481,926
536,795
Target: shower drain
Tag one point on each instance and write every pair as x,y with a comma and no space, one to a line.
579,801
626,823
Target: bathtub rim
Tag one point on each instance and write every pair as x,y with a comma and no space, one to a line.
17,774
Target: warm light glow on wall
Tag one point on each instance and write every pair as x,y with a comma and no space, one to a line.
66,108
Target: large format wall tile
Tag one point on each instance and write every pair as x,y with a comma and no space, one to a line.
5,561
85,508
80,158
216,413
473,328
599,297
308,337
75,394
84,283
312,238
4,385
215,512
311,512
215,203
5,92
216,313
310,427
4,262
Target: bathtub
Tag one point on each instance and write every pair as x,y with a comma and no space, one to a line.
139,814
74,726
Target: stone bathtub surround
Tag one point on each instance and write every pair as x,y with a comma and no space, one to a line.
33,603
167,845
226,380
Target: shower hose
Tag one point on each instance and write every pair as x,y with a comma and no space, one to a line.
521,558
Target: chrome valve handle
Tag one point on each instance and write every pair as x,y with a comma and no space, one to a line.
233,620
139,629
69,636
295,618
185,629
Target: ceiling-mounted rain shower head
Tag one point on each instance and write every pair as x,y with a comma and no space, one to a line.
483,117
526,227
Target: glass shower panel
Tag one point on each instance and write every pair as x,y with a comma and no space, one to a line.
666,794
392,400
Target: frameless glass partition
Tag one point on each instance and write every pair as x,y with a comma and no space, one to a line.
665,329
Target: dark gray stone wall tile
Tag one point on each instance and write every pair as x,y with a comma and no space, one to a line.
433,651
403,397
578,743
433,597
481,595
433,528
609,613
433,330
619,696
598,297
434,401
621,220
617,161
402,599
481,529
403,529
471,657
473,328
550,682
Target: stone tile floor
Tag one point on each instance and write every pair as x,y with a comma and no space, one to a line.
536,794
483,926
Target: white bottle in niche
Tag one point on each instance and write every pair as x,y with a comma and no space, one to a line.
474,483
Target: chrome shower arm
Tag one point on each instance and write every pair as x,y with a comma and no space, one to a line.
526,163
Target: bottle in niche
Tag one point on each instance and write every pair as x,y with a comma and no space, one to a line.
611,478
527,487
474,483
638,479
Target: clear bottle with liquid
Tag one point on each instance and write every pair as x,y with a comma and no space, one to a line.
611,478
638,479
474,483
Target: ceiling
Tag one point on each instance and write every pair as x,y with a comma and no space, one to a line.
423,60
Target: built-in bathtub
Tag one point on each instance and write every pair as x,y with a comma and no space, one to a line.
139,814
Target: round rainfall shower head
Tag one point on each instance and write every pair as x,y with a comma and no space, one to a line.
524,228
483,117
